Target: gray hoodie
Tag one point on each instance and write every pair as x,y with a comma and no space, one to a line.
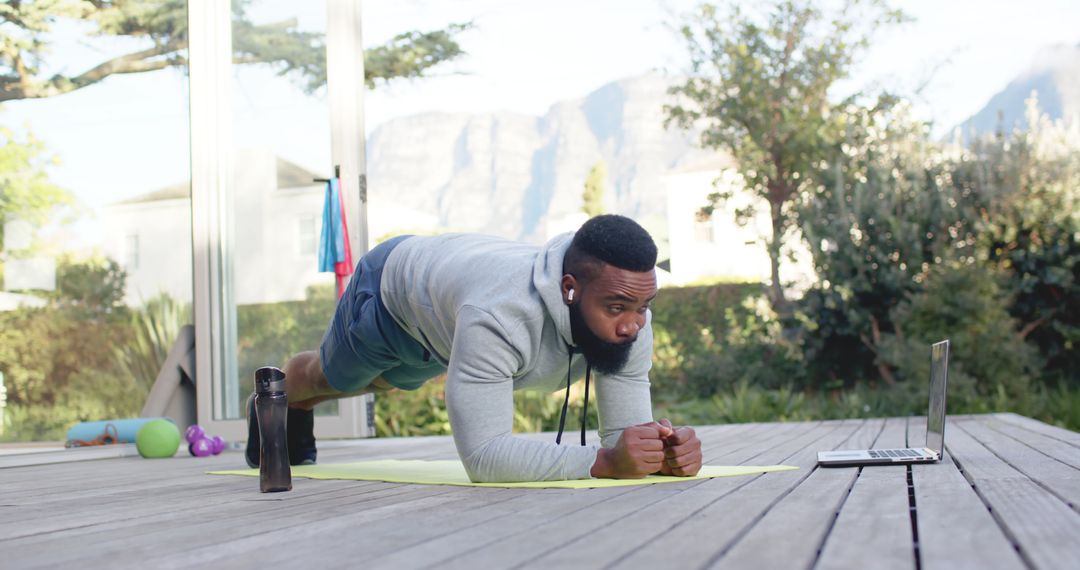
492,311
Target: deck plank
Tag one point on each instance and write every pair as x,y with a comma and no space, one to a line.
97,491
873,526
581,539
1052,447
1055,448
798,518
1018,486
169,535
1053,475
748,497
1061,434
356,531
956,530
1043,528
153,512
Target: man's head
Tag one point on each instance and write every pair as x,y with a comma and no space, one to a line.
609,279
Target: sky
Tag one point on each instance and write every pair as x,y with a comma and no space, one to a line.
128,135
524,56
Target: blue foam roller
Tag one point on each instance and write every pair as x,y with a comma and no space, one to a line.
125,429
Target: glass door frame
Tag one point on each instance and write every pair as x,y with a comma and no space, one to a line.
210,72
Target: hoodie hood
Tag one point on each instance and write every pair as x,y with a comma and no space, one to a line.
547,279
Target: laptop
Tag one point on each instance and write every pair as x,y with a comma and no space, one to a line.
935,426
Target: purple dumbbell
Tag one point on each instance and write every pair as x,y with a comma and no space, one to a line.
201,447
193,433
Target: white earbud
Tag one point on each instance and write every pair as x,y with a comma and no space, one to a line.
570,296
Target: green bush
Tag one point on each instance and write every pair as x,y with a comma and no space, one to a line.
271,333
413,412
423,411
1030,232
692,330
966,304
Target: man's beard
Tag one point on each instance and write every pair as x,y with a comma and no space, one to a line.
605,357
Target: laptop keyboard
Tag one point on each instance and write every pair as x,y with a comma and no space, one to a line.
888,453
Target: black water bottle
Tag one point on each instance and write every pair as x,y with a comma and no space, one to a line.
271,411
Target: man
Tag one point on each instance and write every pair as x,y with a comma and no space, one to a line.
498,316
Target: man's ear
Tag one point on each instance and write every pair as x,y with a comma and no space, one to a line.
569,283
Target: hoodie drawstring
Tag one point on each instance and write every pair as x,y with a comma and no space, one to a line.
566,401
585,412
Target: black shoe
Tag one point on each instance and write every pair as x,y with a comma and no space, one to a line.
251,453
301,436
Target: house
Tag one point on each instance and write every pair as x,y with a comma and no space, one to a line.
716,247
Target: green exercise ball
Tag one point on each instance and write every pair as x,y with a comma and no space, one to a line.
157,438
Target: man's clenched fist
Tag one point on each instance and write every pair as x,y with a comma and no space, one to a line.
655,447
682,451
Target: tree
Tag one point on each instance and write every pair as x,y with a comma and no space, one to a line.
593,196
26,28
759,89
25,190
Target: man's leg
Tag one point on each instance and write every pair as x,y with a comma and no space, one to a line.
306,386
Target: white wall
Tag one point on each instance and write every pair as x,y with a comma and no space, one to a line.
160,262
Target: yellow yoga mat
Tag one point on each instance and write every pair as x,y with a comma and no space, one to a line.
453,473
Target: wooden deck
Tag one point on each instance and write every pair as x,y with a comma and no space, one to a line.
1006,496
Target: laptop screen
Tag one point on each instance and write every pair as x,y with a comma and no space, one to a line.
935,416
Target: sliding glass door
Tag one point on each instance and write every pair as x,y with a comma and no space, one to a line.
268,80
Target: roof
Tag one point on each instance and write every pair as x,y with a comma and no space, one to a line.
289,175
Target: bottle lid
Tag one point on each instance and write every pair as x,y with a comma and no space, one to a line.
269,379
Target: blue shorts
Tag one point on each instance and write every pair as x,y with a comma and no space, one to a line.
364,342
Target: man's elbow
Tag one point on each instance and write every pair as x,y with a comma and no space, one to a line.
481,469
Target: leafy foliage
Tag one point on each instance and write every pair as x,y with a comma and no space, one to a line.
708,338
966,304
878,216
759,90
153,330
1029,230
46,351
271,333
92,287
26,193
412,54
160,28
423,411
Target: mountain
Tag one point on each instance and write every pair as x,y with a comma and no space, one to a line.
517,175
1055,76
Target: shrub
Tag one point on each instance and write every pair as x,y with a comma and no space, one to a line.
692,327
423,411
966,304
